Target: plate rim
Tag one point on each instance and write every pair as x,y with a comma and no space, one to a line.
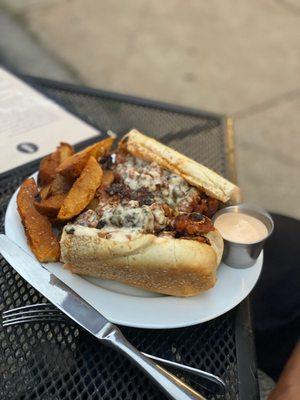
149,325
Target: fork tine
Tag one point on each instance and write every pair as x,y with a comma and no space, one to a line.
28,307
18,321
27,317
21,313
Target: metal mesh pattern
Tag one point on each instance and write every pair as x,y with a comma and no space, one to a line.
199,136
59,361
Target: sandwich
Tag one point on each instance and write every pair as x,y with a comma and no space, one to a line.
149,224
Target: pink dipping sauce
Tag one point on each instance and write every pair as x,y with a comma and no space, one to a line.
241,228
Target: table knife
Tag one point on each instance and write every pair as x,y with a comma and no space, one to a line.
69,302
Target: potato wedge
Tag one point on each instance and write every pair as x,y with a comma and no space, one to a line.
72,166
47,170
82,191
59,185
49,164
38,230
65,150
44,191
51,206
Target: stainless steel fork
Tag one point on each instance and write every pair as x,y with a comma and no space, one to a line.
46,312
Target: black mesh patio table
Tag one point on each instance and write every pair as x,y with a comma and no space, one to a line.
60,361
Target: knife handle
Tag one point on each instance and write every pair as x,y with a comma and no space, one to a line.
172,386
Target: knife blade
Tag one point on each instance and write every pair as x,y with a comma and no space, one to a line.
69,302
61,295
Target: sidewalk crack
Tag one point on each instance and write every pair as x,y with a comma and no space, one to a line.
266,105
292,8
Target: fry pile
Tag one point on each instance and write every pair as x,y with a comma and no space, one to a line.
66,184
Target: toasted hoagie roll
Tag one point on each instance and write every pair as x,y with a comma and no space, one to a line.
149,225
166,265
196,174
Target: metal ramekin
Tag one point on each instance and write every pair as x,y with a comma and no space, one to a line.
240,255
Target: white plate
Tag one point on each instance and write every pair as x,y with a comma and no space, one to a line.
128,306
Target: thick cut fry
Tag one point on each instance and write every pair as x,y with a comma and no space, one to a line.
65,150
44,191
56,184
72,166
59,185
50,206
47,170
50,163
82,191
38,230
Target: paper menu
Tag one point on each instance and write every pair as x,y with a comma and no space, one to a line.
32,125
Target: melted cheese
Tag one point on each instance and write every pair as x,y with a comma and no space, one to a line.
167,187
130,215
112,233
